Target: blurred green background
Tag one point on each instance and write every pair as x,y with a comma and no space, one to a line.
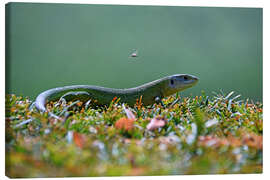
51,45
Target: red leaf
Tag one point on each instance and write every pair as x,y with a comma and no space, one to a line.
124,124
79,139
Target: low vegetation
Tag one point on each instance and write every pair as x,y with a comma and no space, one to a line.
201,135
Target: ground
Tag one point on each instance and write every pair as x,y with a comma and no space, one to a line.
201,135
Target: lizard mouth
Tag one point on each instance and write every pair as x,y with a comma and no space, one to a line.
190,80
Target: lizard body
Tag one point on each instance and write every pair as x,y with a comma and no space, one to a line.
150,92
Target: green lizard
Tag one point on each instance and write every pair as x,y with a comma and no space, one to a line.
150,92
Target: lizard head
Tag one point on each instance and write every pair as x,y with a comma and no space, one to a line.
179,82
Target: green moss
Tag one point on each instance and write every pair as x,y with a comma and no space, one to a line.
202,135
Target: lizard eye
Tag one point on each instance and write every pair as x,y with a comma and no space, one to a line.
172,82
185,78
